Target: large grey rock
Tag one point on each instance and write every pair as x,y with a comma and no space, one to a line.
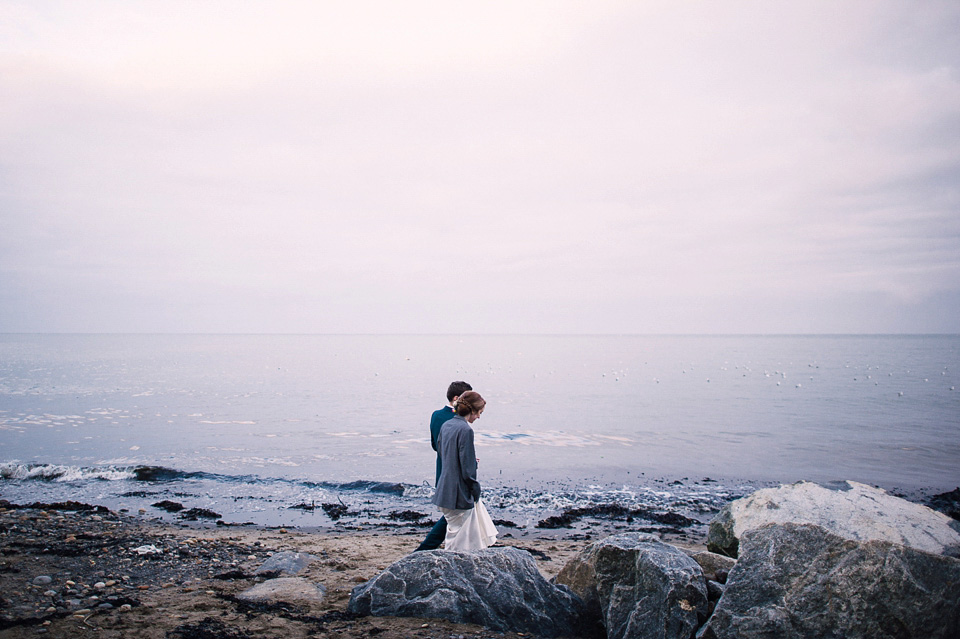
499,588
285,563
639,586
800,581
851,510
285,589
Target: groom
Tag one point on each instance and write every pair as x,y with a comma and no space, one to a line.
439,531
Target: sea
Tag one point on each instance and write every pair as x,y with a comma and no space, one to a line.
580,432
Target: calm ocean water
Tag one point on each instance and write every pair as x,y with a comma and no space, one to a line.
250,425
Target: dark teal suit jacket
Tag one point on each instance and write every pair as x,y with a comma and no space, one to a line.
438,419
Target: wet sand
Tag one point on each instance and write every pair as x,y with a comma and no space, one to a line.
95,573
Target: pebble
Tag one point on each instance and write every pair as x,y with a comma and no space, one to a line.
70,590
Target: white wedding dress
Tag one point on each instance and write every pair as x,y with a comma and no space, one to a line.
470,529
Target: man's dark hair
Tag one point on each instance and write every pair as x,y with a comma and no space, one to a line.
457,389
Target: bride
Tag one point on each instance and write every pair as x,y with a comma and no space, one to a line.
469,526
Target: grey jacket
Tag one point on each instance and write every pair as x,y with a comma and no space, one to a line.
458,487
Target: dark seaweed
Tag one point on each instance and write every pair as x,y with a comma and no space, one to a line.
615,511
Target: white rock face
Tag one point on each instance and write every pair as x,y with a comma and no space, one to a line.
849,509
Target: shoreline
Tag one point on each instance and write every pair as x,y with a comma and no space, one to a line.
535,510
93,572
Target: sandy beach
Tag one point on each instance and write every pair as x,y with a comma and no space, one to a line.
96,573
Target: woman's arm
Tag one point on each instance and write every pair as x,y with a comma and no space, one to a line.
468,463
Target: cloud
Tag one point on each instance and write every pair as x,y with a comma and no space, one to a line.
622,168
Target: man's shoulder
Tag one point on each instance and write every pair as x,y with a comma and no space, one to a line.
442,415
438,419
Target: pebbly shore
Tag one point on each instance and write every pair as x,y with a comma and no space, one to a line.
74,570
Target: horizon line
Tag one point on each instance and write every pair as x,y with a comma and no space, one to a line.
475,334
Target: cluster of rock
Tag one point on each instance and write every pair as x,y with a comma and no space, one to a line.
838,560
806,560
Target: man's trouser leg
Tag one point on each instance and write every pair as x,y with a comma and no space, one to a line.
436,536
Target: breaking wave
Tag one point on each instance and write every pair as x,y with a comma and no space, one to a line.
18,471
60,473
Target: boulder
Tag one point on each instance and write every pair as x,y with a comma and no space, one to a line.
499,588
639,587
285,563
715,567
293,590
851,510
801,581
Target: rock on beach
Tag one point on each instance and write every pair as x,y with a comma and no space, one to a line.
848,509
715,567
285,563
294,590
802,581
639,587
499,588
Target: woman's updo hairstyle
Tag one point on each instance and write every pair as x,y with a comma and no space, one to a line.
469,402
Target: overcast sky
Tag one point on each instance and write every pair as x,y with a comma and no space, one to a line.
447,167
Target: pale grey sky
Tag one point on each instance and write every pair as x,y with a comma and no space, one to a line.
598,167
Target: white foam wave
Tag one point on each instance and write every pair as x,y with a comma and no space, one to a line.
60,473
420,490
263,461
543,438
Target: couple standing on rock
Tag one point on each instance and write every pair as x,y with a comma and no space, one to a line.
465,524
